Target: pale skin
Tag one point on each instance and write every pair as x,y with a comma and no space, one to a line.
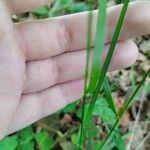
42,62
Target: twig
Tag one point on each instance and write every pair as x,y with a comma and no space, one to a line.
137,120
51,129
143,141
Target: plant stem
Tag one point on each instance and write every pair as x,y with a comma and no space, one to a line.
104,70
96,61
88,116
99,45
86,74
109,97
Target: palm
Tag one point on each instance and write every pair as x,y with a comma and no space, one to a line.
11,71
40,61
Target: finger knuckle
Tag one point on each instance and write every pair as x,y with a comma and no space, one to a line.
64,37
57,71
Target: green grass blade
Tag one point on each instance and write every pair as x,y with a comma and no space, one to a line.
125,107
128,102
118,140
102,75
106,64
114,41
117,136
99,45
100,36
109,96
86,74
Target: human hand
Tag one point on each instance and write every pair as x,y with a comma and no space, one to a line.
42,62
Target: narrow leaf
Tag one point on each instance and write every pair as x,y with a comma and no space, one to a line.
125,107
99,45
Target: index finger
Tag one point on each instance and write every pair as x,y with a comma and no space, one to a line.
43,39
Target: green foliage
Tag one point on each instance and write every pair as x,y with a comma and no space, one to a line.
44,141
102,108
117,136
96,145
61,7
99,45
78,7
93,131
25,139
43,11
98,75
67,6
26,135
22,141
125,107
109,96
75,138
69,108
100,36
9,143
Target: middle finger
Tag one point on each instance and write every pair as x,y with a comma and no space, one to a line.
43,74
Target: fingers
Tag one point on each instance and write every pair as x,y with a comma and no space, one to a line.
18,6
136,20
11,70
70,66
33,107
44,39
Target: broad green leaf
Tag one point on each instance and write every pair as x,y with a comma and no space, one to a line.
96,145
60,7
78,7
9,143
25,139
41,11
63,3
26,146
75,138
44,141
25,136
102,109
69,108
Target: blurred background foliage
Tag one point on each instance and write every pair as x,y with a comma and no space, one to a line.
60,130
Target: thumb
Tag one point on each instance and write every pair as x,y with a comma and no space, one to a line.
11,70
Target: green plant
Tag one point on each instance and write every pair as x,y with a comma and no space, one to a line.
98,78
103,132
